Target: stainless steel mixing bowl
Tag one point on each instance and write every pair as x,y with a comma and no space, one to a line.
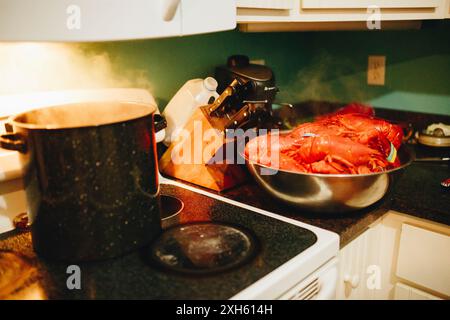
331,193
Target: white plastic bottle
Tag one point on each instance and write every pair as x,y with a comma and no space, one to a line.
193,94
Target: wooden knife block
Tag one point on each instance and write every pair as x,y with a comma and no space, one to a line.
202,172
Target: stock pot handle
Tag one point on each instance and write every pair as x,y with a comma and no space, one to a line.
13,141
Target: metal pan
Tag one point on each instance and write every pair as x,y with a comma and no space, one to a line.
331,193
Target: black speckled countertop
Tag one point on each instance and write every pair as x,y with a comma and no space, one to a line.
136,276
420,194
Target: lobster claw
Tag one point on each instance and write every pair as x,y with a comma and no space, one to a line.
392,156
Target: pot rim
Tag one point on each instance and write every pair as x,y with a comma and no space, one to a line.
146,110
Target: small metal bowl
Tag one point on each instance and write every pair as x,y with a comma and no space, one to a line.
331,193
433,140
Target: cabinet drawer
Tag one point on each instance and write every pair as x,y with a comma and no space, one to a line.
358,10
258,11
424,258
265,4
364,4
405,292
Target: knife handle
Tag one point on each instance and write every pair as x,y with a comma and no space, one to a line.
239,118
220,100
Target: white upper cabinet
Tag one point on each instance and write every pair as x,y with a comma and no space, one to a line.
353,10
253,11
201,16
103,20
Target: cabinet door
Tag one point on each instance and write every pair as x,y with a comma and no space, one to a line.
88,20
358,262
424,258
202,16
401,252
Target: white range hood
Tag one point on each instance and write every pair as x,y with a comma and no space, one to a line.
107,20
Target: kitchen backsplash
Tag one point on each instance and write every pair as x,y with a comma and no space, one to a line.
312,65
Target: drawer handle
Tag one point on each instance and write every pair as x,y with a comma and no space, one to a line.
353,281
169,9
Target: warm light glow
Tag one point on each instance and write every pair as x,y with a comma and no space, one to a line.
32,67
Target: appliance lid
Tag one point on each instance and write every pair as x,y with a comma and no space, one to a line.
241,66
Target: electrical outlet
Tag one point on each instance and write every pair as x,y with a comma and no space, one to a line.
258,61
376,70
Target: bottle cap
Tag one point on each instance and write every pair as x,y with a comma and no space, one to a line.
210,83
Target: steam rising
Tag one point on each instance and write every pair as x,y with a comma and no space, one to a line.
326,78
31,67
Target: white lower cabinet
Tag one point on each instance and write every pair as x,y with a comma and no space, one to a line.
424,258
354,260
398,257
405,292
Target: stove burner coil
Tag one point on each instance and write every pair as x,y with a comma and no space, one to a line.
170,210
203,248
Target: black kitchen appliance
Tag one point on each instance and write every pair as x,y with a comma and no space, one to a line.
247,92
261,77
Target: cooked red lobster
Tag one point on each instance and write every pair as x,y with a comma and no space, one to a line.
338,143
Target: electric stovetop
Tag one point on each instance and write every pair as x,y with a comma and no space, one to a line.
255,245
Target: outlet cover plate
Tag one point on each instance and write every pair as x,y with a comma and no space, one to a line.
376,70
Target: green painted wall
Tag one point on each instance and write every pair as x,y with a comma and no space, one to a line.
310,65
